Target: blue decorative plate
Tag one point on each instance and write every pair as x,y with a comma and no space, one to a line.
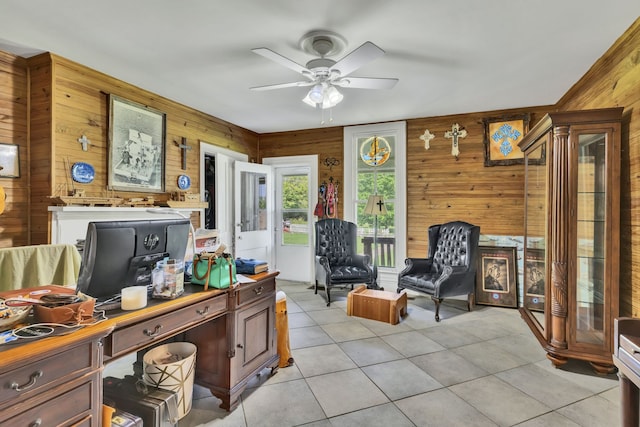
82,172
184,182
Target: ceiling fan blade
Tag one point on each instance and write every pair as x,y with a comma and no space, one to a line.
366,82
282,85
367,52
276,57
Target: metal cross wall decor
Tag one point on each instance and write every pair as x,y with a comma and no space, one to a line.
454,134
184,147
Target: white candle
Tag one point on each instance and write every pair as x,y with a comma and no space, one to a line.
134,297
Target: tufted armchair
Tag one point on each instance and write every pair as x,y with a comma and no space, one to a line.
450,268
336,260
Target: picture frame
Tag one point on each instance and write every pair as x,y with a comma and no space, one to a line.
9,160
137,141
496,280
501,138
535,273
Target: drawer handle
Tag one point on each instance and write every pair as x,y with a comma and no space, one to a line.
259,290
36,423
153,333
32,381
203,312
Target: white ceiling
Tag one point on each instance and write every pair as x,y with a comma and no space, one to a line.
451,56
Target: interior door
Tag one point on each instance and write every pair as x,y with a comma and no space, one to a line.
254,209
293,244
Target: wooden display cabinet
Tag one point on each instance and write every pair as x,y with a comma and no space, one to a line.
572,234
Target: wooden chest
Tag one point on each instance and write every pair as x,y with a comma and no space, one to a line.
377,305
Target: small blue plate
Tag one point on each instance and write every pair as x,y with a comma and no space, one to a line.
82,172
184,182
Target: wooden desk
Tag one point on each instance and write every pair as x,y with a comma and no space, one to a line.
58,380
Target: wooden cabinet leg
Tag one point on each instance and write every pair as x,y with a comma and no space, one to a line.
628,402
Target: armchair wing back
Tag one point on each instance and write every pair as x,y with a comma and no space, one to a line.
337,262
450,267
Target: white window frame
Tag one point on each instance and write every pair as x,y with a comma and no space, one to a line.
387,277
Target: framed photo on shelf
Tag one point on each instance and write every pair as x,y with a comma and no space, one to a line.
534,279
137,136
501,138
496,282
9,160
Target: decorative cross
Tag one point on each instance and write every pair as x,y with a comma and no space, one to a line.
502,137
380,205
454,134
427,137
184,147
85,142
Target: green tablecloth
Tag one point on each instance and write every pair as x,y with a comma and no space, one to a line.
29,266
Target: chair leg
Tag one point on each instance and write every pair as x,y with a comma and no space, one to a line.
326,287
315,288
437,301
471,301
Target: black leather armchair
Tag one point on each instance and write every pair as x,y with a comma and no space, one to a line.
450,268
337,262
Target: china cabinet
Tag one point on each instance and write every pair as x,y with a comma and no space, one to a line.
572,234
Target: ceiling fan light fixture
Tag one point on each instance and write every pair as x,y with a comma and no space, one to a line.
333,96
316,94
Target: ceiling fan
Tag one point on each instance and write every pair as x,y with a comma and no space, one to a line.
324,74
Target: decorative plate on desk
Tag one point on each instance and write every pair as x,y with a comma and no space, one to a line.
82,172
184,182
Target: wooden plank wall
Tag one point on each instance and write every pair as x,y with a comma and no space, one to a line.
614,81
440,187
42,151
14,130
79,105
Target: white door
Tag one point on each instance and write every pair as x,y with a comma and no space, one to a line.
296,179
254,209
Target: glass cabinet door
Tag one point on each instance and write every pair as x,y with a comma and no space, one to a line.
535,273
590,296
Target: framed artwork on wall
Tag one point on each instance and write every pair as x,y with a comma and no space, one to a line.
496,281
9,160
501,138
137,136
534,279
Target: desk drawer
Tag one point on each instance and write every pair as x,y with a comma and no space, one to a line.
42,374
64,409
250,292
141,334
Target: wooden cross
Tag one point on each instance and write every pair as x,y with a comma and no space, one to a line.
454,134
85,142
380,205
184,147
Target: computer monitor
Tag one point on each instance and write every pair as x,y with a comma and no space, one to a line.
118,254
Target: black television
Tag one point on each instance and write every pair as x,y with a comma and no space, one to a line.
118,254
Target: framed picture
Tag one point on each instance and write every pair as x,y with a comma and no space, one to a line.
136,147
535,273
501,138
496,282
9,161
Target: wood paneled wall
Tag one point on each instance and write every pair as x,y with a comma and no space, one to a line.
73,100
14,130
440,187
614,81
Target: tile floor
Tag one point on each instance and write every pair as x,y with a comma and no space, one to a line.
479,368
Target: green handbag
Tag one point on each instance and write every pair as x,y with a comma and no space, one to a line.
211,269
